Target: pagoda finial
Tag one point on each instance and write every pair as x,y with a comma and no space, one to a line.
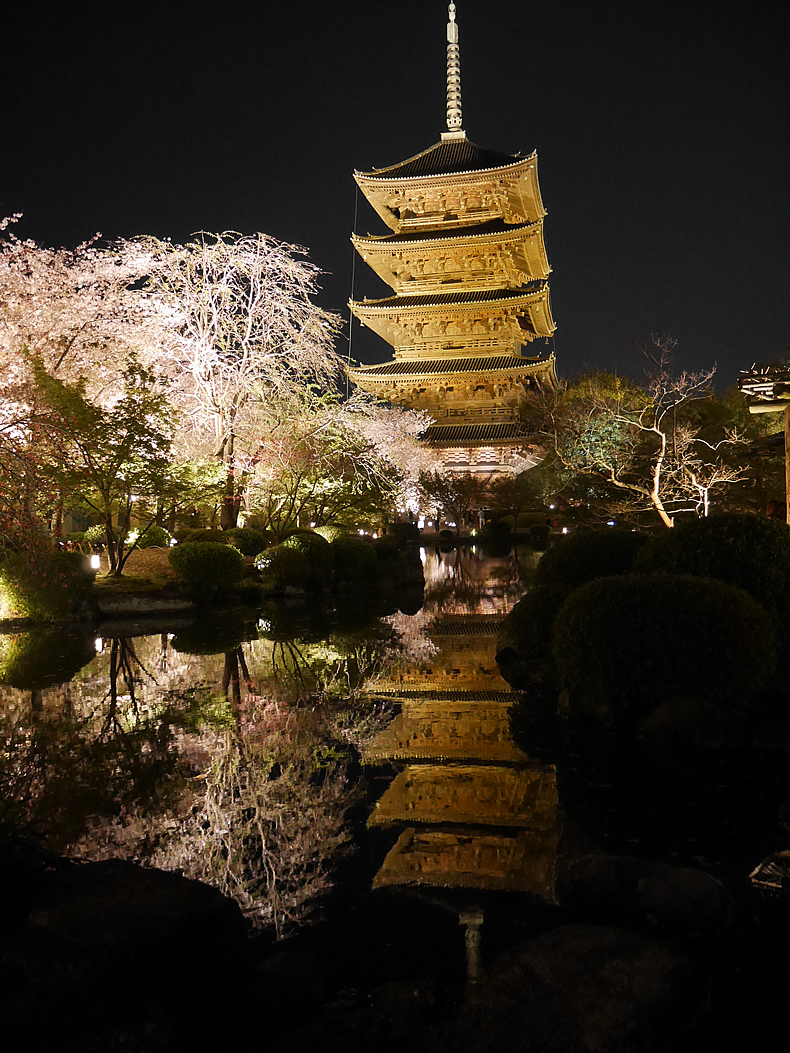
454,130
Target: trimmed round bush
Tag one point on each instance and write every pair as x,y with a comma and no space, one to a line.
318,553
206,567
527,631
221,537
249,540
281,568
575,559
330,532
96,535
154,537
48,587
749,551
355,560
623,644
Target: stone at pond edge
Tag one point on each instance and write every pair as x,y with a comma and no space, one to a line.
680,898
95,927
578,989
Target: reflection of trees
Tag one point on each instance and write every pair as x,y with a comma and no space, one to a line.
463,582
269,820
231,767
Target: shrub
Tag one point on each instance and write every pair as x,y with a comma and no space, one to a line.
527,629
749,551
318,553
578,558
388,550
330,532
206,567
282,567
539,535
96,535
355,560
53,586
153,537
524,520
248,540
623,644
204,535
404,532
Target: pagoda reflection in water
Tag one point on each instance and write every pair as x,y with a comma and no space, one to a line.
477,813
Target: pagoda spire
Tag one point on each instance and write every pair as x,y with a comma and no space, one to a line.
454,129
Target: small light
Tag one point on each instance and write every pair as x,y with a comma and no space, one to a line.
361,533
565,530
552,506
421,523
611,523
312,525
172,542
375,535
95,562
98,644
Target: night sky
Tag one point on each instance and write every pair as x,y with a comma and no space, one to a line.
661,131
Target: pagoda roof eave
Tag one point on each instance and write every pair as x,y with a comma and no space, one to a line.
448,159
444,300
386,372
507,232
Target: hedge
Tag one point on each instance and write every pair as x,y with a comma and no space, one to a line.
206,567
355,560
318,553
154,536
53,587
575,559
248,540
282,567
623,644
527,629
748,551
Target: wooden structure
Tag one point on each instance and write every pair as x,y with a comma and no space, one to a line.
467,266
769,390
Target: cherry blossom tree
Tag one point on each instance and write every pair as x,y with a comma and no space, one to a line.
242,342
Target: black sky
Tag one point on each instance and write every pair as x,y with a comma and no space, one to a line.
661,133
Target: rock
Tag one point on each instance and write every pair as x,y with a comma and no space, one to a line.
687,720
679,898
292,979
115,903
579,989
773,737
94,930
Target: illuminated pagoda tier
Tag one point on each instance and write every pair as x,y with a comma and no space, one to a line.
468,270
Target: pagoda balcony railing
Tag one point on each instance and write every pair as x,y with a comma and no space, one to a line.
460,347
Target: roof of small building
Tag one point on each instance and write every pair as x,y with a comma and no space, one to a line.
492,431
448,157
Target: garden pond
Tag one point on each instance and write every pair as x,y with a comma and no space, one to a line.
399,848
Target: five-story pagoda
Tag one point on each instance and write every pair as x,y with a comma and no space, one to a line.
467,265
